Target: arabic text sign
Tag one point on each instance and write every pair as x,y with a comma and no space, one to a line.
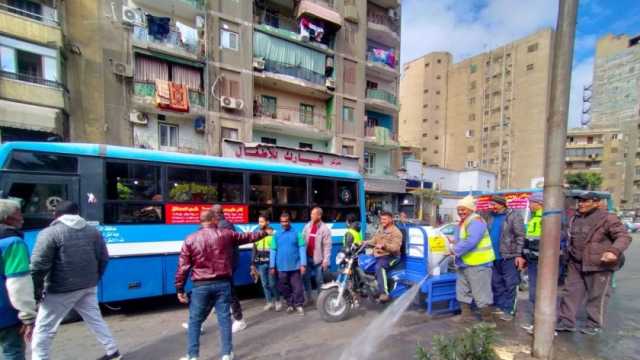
514,201
190,213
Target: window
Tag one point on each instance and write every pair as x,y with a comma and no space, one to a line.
190,185
438,77
275,194
229,133
229,39
289,190
471,164
427,65
38,201
435,152
437,92
533,47
472,117
425,106
472,85
472,101
470,149
36,161
134,194
425,120
469,133
29,62
372,85
347,150
348,113
168,135
268,140
322,191
473,68
305,146
269,105
230,186
306,114
260,189
529,67
369,162
424,135
439,61
26,8
437,107
426,91
436,137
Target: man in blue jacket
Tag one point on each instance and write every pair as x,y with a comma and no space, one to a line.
289,258
17,300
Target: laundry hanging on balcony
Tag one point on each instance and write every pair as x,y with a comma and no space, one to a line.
188,35
309,30
384,56
172,96
158,27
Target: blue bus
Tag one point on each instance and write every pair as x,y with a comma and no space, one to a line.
147,202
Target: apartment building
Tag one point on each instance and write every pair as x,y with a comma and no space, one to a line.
486,112
34,100
615,102
601,151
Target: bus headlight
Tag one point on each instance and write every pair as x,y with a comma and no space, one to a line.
340,258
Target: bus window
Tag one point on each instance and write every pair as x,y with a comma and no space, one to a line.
36,161
133,182
38,201
289,190
230,186
260,189
347,193
133,194
323,192
190,185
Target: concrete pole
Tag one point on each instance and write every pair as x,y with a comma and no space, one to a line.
556,131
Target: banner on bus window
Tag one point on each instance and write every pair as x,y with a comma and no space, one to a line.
190,213
514,201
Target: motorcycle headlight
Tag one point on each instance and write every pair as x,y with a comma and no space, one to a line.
340,258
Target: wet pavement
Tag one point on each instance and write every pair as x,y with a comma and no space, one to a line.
151,329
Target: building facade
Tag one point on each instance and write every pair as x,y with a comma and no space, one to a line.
601,151
615,102
486,112
34,101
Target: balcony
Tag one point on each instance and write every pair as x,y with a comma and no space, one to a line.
144,99
291,121
383,29
171,44
40,28
382,100
186,8
383,67
31,89
387,4
380,137
287,28
321,9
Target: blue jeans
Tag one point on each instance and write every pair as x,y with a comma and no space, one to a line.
11,343
382,264
203,299
504,284
268,282
532,271
317,275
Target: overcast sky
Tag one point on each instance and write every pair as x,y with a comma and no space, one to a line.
469,27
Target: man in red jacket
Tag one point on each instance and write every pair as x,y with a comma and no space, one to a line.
208,255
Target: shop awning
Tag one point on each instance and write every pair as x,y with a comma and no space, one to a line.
381,185
311,8
30,117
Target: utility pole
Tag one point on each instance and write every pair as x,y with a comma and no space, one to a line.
556,131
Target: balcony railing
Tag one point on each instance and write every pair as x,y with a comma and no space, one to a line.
48,15
287,27
196,98
377,60
379,94
384,20
171,41
32,79
381,135
198,4
295,71
316,118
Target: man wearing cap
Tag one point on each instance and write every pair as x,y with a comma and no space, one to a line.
506,228
474,258
597,240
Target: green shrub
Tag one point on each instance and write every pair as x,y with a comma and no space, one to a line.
475,343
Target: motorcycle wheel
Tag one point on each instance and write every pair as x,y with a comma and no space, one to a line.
329,310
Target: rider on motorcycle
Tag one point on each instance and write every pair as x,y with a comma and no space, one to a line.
352,236
387,243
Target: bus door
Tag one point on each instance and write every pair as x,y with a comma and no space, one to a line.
39,195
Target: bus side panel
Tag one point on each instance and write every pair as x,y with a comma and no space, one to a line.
170,268
132,278
241,275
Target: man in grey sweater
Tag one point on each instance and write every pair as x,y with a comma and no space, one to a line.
67,263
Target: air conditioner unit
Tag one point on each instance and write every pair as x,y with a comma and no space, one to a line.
330,84
131,16
139,118
258,64
122,69
394,14
230,103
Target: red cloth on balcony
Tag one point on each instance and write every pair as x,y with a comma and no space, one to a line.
179,97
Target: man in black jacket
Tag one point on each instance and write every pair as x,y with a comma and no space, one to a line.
67,263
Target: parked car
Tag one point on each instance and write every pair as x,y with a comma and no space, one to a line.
631,226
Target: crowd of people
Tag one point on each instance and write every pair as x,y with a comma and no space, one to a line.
490,255
71,256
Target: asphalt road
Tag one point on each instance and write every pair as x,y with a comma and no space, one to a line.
151,329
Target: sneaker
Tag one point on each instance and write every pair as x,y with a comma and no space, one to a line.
290,309
505,317
300,310
268,306
188,358
114,356
238,325
528,328
228,357
562,326
591,330
278,305
497,312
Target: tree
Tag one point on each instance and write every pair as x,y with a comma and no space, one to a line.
429,197
584,181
